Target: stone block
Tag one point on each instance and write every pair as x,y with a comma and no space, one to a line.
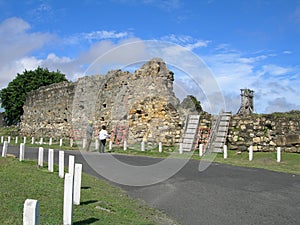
281,140
292,139
256,140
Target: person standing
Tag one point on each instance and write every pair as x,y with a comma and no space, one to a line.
102,136
89,135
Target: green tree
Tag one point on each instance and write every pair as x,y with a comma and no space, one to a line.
14,95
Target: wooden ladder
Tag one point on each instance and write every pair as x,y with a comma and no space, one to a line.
190,132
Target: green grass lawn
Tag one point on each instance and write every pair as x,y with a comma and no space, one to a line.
100,202
290,162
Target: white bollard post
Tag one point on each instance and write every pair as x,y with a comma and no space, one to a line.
77,183
60,142
68,199
24,140
83,143
143,146
61,164
251,153
31,212
225,155
50,141
41,141
41,157
180,148
22,152
110,145
125,145
8,139
159,147
32,140
97,144
50,160
2,139
71,164
16,140
4,149
278,154
201,150
71,142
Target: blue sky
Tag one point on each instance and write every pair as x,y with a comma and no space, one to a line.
245,44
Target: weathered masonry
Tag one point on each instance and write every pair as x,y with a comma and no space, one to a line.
141,106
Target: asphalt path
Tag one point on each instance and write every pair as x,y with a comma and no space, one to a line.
221,194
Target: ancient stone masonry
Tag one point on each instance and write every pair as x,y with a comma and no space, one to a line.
48,111
265,132
142,103
141,106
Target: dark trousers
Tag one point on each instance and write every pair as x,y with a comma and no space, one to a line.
102,145
88,144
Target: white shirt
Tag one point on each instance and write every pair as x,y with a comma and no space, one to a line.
103,135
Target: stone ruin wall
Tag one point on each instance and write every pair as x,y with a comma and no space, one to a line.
142,106
265,132
48,111
138,106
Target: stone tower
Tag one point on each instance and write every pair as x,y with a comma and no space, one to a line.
247,106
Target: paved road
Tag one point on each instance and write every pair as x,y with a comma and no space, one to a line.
222,194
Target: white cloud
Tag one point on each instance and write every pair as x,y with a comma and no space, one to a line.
274,70
95,36
281,104
186,41
234,70
287,52
16,40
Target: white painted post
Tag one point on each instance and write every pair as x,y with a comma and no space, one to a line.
2,139
41,141
97,144
278,154
225,152
31,212
77,183
251,153
143,146
60,142
71,142
180,148
32,140
50,141
41,157
83,143
68,199
159,147
8,139
24,140
16,140
71,164
201,150
110,145
61,164
4,150
22,152
50,160
125,145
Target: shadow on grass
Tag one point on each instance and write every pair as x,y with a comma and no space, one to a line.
88,202
85,187
87,221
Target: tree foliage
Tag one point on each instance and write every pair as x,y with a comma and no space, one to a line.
14,95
